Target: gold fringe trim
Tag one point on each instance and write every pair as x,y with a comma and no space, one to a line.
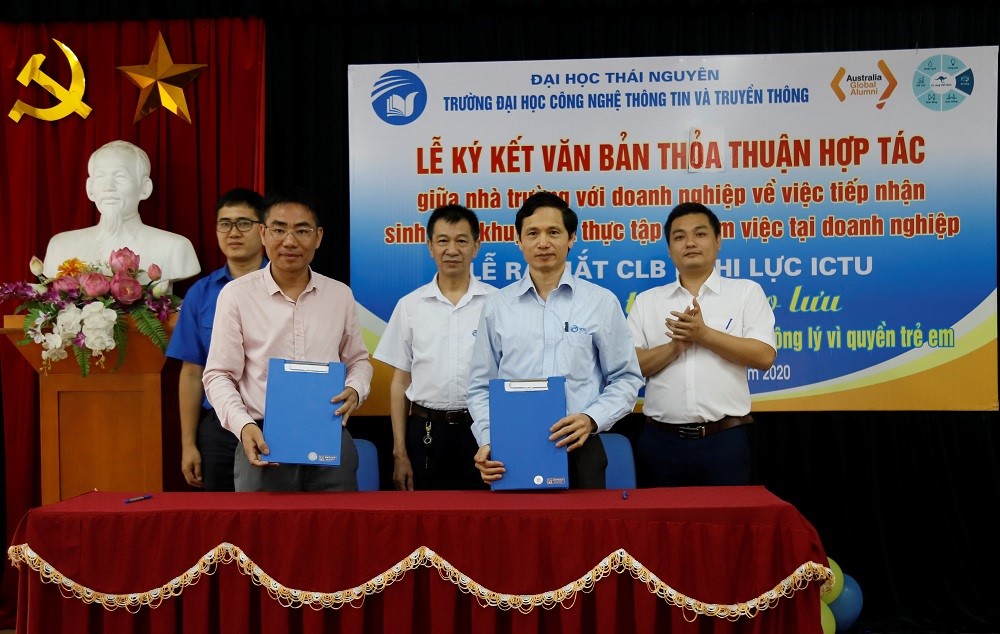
619,561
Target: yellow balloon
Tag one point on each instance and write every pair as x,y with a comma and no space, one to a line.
827,619
831,595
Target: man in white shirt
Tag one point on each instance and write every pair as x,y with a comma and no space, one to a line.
695,339
428,341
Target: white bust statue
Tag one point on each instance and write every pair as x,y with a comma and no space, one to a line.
119,179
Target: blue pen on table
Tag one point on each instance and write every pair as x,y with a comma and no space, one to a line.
729,323
139,498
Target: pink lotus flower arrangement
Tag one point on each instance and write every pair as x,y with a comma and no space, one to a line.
86,306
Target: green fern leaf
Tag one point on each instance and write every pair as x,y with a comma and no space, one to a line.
148,324
120,335
29,321
82,359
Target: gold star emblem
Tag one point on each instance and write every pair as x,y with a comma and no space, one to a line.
162,82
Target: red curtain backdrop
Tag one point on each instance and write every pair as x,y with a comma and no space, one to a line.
43,169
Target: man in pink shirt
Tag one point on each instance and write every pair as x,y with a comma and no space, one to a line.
285,310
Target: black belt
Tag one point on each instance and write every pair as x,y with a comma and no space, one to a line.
452,417
700,430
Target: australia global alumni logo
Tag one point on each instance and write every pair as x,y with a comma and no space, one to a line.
399,97
867,84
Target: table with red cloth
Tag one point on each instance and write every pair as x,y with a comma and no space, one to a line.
698,559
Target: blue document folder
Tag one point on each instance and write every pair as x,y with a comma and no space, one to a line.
521,413
300,426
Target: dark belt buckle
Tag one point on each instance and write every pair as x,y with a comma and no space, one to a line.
691,431
455,417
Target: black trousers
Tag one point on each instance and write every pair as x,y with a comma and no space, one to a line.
588,464
217,446
447,462
665,460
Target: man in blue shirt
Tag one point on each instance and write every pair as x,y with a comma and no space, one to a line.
207,449
550,323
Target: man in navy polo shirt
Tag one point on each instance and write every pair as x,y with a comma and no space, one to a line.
207,449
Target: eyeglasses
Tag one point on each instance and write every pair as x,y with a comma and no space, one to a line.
243,225
299,233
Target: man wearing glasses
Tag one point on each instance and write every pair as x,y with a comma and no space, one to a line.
285,310
206,448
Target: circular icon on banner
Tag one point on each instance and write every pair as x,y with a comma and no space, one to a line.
399,97
313,456
942,82
538,480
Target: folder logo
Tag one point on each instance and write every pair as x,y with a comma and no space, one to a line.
548,481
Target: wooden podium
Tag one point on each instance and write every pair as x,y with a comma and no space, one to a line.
102,432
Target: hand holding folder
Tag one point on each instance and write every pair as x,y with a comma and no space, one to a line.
521,413
300,423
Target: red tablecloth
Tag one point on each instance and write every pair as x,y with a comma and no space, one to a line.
421,561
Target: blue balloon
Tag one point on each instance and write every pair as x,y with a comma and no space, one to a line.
847,606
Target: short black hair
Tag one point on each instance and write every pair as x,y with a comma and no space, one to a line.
686,209
546,199
452,214
292,197
241,196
